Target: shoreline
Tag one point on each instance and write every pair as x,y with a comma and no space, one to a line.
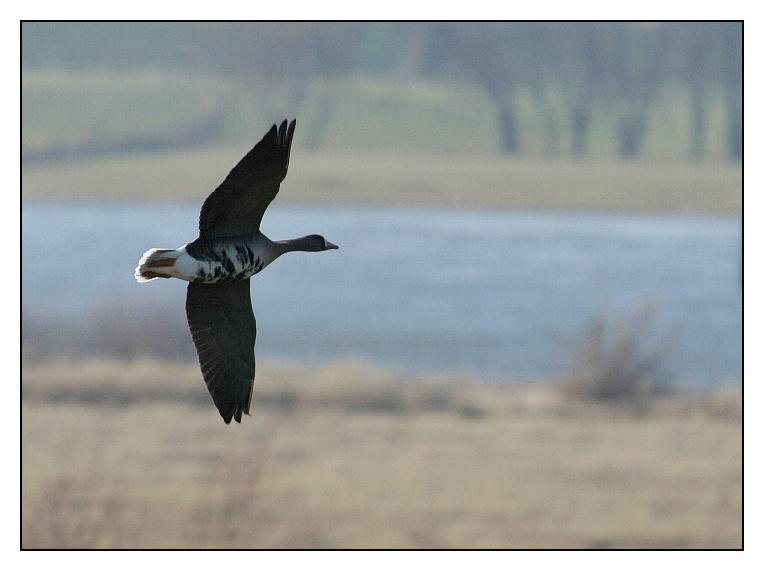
407,180
345,384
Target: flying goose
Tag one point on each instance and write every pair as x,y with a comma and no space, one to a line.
218,264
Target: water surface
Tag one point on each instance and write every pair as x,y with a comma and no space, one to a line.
494,294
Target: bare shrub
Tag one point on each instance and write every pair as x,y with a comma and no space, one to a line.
620,362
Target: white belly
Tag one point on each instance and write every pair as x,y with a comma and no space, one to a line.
186,267
231,262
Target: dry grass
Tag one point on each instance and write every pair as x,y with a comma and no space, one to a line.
133,454
407,180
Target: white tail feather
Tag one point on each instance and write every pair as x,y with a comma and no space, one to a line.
151,256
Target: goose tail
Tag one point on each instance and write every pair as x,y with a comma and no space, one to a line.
152,264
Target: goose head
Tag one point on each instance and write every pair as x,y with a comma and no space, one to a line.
311,243
317,243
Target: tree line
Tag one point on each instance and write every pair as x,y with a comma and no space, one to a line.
572,71
594,66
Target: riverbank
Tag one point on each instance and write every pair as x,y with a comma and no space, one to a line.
410,180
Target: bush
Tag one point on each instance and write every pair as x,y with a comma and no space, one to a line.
617,363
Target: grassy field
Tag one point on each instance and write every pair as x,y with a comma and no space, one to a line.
364,178
69,107
72,109
132,454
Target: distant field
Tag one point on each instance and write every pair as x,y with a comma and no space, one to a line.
405,179
379,141
132,454
79,110
71,108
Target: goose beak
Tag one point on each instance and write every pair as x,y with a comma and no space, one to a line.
330,246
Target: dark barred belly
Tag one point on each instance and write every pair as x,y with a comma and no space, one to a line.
225,260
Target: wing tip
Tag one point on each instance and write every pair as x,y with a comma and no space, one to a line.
281,137
283,132
234,409
290,133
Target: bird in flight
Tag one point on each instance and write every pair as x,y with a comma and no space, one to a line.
218,264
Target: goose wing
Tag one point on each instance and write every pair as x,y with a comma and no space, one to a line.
223,328
236,207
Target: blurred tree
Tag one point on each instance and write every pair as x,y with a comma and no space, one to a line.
494,55
697,44
418,38
108,45
732,79
637,65
584,49
575,75
331,47
542,73
286,58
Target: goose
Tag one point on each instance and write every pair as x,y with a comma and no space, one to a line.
219,263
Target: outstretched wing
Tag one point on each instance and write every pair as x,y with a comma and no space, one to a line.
236,207
223,328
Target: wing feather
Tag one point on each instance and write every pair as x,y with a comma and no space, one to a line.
237,206
223,328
